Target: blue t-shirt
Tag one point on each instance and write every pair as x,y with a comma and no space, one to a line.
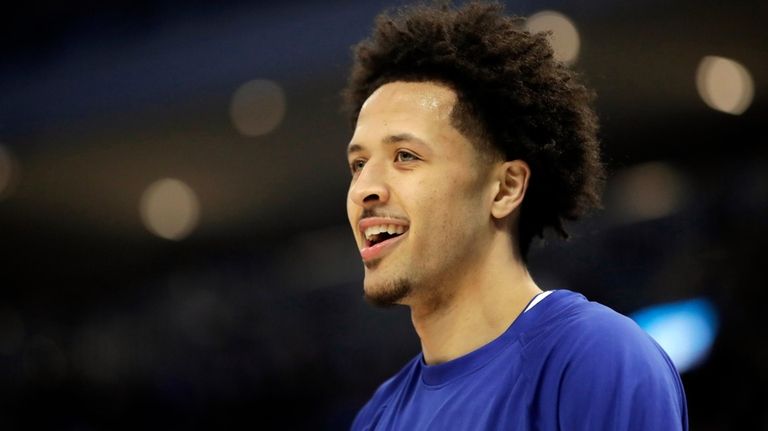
565,364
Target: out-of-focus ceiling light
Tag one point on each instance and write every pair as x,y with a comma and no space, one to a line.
724,84
564,38
169,209
257,107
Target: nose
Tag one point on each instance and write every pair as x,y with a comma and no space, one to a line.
370,187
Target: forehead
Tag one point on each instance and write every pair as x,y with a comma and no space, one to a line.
419,108
428,99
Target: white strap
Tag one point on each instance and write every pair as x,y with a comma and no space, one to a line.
537,299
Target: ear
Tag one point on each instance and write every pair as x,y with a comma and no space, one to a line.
512,181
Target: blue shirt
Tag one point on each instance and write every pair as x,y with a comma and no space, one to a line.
566,364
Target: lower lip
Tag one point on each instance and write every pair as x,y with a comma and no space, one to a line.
381,249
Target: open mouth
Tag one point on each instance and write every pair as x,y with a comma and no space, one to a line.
380,233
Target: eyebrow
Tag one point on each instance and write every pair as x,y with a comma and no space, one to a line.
391,139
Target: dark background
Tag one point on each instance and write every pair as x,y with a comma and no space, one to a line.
256,318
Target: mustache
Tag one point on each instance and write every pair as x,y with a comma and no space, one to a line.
374,212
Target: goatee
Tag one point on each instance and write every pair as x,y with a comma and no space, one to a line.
388,296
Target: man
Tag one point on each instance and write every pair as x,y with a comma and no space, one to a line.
469,141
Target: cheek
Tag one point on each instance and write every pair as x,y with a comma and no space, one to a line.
352,211
440,213
444,207
461,210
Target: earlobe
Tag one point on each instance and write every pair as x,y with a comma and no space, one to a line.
511,184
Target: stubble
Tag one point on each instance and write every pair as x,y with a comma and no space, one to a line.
389,294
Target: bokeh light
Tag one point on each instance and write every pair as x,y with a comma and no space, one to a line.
685,330
647,191
564,39
257,107
724,84
169,209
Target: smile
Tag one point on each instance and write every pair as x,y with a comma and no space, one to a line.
379,249
380,235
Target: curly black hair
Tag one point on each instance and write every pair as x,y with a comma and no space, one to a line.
514,99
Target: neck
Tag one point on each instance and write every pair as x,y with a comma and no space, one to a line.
483,303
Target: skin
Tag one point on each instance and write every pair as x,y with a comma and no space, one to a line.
457,267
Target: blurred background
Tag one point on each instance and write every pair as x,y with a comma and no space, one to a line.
174,250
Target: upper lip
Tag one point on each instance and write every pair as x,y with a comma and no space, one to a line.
376,221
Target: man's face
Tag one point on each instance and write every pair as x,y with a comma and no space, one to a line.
418,202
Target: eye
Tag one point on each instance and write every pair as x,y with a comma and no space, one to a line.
356,165
404,156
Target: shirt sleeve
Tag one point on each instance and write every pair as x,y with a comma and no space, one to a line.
370,415
364,420
617,378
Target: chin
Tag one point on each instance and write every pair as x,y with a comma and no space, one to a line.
387,294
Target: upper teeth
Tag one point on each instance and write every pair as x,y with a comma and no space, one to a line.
388,228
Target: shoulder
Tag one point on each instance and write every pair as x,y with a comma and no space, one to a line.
575,327
604,370
590,327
